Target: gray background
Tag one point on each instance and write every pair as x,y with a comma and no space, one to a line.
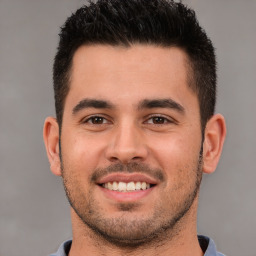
34,213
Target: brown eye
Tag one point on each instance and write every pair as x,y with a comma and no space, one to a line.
96,120
158,120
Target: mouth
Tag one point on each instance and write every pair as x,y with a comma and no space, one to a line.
126,187
131,186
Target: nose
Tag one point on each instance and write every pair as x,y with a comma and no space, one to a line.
127,144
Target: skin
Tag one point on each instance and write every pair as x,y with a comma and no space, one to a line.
128,136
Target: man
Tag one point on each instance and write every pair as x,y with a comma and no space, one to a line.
135,86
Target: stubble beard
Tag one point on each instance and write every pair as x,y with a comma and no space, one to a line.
127,231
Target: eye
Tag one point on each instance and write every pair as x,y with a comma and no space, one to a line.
159,120
97,120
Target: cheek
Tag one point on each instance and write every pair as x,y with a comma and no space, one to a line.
177,155
173,150
80,153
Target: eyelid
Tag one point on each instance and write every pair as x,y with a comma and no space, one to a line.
169,119
85,120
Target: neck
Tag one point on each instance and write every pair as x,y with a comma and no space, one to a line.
180,241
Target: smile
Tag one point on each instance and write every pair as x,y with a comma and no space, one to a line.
127,186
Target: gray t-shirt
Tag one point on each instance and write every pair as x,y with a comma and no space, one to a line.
206,244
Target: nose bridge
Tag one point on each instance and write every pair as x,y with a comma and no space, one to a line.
127,143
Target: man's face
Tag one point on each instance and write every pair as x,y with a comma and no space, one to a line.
131,140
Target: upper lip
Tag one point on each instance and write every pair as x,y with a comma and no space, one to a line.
127,177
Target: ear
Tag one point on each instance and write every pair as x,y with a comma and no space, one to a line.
215,133
51,141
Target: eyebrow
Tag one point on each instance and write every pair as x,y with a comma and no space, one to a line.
92,103
161,103
144,104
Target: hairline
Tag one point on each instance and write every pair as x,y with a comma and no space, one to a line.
189,65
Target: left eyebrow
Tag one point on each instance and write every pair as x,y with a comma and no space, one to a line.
161,103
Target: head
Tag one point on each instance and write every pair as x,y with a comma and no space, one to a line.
134,89
124,23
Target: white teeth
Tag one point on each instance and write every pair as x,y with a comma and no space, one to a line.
110,186
124,187
138,186
130,186
115,185
143,185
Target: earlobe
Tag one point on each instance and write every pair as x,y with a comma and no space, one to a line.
215,133
51,140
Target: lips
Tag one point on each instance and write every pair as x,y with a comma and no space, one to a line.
126,183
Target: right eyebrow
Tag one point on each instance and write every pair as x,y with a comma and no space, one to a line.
91,103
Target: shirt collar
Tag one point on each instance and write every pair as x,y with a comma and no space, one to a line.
206,243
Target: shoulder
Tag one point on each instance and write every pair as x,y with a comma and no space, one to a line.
63,249
206,243
208,246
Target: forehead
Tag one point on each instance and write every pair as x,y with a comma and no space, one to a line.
118,59
129,73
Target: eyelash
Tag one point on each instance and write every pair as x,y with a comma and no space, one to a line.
165,120
89,120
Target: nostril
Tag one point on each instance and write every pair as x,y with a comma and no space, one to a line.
114,159
136,158
126,151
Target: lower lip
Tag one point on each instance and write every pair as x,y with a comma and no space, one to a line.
126,196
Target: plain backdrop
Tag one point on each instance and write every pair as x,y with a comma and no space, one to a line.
34,213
